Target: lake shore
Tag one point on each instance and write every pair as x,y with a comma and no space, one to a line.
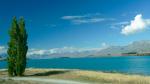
72,76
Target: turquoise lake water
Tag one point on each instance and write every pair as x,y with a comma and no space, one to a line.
126,64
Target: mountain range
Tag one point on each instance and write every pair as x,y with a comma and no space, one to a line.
136,46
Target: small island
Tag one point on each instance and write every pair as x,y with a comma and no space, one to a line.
136,54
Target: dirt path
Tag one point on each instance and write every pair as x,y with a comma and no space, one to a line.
44,80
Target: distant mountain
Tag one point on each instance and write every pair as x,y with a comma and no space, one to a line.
3,55
137,46
73,54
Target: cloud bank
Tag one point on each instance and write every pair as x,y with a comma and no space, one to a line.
118,25
64,50
3,50
136,25
56,52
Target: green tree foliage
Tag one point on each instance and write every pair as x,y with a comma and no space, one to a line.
12,50
17,48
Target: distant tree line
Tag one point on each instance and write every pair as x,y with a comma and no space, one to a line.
17,48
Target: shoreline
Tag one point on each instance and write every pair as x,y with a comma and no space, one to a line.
103,56
112,72
83,76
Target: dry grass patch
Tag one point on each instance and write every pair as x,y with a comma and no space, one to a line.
92,77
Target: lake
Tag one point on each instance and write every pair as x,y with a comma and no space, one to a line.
126,64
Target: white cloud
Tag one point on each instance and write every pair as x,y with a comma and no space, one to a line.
136,25
121,23
72,17
60,51
118,25
104,45
87,18
57,52
91,20
2,50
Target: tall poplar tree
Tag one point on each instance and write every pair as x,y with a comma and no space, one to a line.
12,47
17,48
23,48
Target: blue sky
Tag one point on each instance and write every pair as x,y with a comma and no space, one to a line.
77,23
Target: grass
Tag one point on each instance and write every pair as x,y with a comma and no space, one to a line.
113,78
92,77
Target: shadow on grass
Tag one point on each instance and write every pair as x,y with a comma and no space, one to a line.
48,73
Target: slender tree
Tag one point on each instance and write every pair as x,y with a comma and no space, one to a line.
22,48
17,48
12,47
